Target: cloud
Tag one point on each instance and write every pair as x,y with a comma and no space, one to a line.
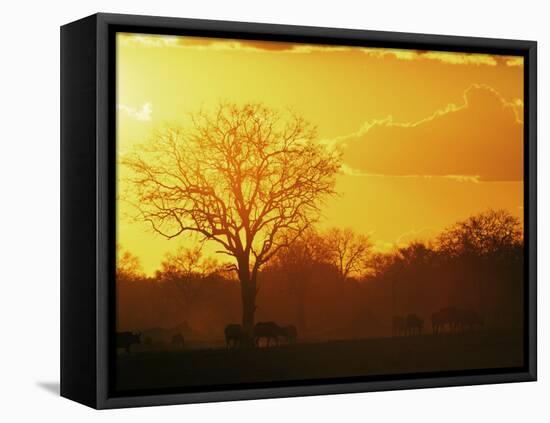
452,58
460,58
143,114
413,235
195,43
416,235
221,44
149,40
479,140
349,171
514,61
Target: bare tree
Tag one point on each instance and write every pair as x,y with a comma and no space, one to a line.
239,177
493,234
183,269
187,262
128,266
493,231
349,251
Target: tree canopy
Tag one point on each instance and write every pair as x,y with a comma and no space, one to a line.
245,177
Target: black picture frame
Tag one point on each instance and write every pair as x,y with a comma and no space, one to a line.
88,200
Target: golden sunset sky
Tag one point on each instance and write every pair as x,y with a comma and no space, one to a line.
428,138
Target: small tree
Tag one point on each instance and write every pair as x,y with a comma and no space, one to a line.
185,263
239,177
185,270
128,266
348,251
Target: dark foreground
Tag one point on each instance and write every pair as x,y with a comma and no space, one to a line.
367,357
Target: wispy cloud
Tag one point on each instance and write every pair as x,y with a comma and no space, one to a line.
453,58
143,114
415,235
460,58
149,40
276,47
479,140
350,171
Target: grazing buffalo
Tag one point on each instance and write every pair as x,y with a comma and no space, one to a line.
408,325
413,325
178,341
445,319
126,339
399,326
269,331
470,320
453,319
234,335
290,333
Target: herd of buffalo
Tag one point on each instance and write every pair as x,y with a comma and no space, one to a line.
270,332
448,319
124,340
266,334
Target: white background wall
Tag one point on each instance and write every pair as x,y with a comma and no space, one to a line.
29,198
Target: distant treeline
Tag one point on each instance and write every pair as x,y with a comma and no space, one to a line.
332,285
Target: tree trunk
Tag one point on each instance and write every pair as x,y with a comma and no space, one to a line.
248,294
248,299
301,309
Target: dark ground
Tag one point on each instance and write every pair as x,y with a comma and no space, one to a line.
366,357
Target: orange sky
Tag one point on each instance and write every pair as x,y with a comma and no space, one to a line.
428,138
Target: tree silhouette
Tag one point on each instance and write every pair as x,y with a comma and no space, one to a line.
480,242
493,231
185,263
183,271
128,266
295,264
349,251
240,177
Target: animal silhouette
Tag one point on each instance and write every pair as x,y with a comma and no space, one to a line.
469,320
414,324
452,319
290,333
444,320
126,339
233,335
269,331
407,326
178,341
399,326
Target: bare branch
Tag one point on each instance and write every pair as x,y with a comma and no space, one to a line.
240,176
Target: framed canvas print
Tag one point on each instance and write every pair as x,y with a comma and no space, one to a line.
255,211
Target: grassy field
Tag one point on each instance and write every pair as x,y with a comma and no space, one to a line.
366,357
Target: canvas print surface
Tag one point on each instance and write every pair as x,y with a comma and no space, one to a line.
291,213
